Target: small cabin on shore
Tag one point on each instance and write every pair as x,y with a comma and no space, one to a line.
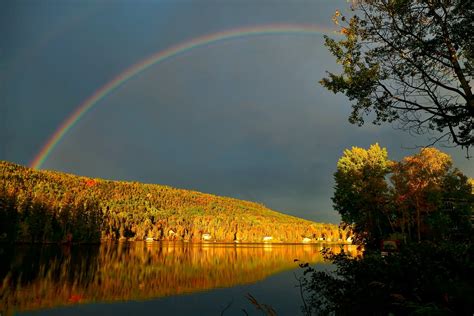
267,238
306,240
206,237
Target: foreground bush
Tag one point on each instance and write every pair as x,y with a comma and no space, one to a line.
422,279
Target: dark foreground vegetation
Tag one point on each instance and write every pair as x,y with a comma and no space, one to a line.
414,220
422,279
409,63
46,206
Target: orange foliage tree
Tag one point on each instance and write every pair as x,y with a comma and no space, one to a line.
425,198
415,179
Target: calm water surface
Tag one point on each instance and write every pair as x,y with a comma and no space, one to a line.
153,278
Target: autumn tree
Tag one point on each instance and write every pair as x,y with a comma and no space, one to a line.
361,192
471,182
410,62
431,198
425,198
417,179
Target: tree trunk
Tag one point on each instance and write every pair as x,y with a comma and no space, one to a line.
418,220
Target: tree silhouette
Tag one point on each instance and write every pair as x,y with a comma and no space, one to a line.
410,62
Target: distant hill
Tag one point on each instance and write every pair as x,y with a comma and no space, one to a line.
49,206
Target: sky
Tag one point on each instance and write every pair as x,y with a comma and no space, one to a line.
243,117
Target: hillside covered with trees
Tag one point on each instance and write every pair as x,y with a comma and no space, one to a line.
48,206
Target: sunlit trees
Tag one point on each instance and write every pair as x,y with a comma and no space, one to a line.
471,182
361,192
417,179
428,204
45,206
431,198
410,62
425,198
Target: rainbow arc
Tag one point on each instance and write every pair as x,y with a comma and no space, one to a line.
173,51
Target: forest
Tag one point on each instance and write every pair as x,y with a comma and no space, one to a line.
39,206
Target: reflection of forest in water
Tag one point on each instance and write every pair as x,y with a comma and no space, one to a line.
36,277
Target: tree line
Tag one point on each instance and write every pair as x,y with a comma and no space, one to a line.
48,206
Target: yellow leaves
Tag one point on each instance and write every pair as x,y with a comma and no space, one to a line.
415,175
357,159
471,182
430,164
335,17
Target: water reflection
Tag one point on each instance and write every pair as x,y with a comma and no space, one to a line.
41,277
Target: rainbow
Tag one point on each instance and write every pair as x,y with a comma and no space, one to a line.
173,51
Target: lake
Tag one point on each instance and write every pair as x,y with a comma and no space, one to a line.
158,278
